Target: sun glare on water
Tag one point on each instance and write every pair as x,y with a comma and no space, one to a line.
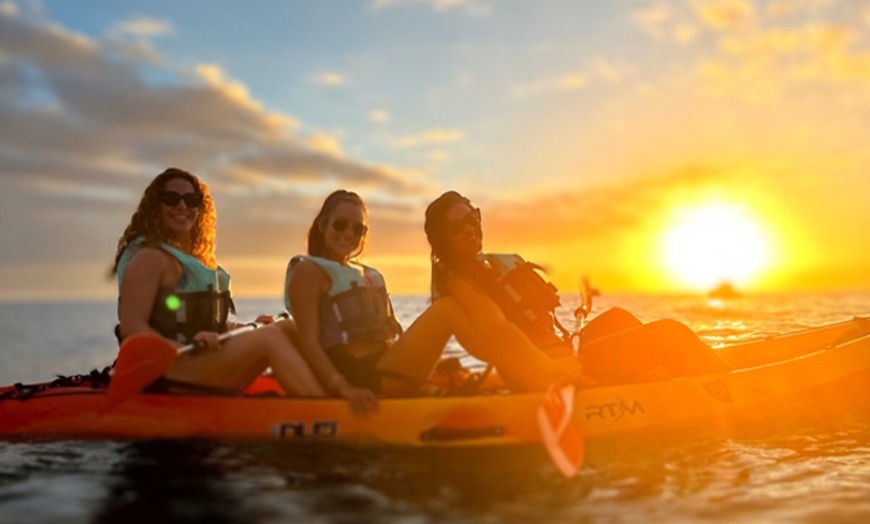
710,244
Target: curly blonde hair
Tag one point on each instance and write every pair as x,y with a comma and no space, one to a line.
146,221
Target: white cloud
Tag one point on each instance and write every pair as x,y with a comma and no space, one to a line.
471,7
143,26
379,116
610,71
84,131
325,143
564,83
434,136
438,156
652,19
8,9
725,15
329,78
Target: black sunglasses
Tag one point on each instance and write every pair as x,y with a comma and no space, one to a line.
471,219
171,199
340,224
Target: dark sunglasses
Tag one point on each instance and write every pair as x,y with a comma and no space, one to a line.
340,224
171,199
471,219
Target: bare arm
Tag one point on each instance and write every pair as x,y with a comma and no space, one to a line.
304,290
503,343
148,270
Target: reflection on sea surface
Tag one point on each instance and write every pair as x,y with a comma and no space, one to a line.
165,481
794,471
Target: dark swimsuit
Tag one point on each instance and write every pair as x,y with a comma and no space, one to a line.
361,372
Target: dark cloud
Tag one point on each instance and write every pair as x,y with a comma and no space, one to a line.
68,96
86,124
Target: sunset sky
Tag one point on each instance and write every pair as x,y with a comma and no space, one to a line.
653,146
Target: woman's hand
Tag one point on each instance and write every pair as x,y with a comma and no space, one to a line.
362,401
262,319
208,340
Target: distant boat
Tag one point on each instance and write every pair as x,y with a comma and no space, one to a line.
724,291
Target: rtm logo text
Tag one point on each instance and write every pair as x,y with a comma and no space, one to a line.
614,410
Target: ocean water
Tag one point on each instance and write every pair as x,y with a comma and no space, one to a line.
771,472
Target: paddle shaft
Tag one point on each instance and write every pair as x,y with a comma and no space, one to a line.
144,357
198,345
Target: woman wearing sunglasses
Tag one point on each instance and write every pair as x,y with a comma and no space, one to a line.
350,337
503,293
170,284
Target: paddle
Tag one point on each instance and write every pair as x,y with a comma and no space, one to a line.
144,357
561,438
586,293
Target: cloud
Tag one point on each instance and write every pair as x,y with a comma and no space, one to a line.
565,83
667,23
725,15
329,78
610,71
599,211
8,9
765,52
434,136
85,129
379,116
471,7
764,65
785,8
438,156
325,143
143,26
653,19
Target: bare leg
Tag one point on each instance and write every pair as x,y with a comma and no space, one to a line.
631,355
415,354
241,359
611,321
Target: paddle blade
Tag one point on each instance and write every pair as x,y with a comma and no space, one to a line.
143,357
563,440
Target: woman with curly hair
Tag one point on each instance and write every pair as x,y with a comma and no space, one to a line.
170,284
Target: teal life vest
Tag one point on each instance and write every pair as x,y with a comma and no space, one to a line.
356,308
200,302
523,295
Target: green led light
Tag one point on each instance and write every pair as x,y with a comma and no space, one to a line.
173,302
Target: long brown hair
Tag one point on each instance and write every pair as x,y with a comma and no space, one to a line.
146,220
442,256
316,241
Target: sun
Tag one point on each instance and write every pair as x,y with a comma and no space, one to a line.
710,244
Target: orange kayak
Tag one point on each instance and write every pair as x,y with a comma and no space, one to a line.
812,372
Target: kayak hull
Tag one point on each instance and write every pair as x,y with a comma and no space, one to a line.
812,373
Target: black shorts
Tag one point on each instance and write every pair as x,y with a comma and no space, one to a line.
361,372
